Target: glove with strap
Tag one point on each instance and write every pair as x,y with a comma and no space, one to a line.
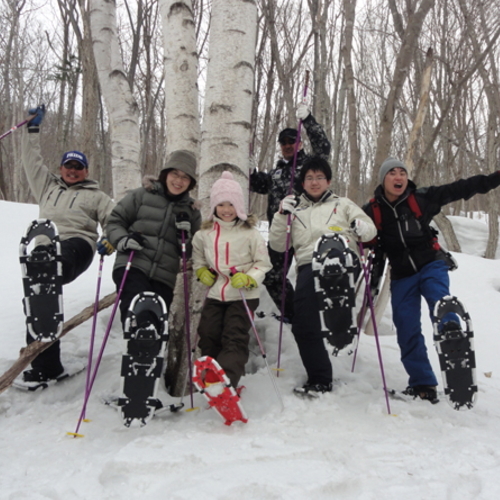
104,247
206,276
288,204
35,122
242,280
182,223
360,228
134,241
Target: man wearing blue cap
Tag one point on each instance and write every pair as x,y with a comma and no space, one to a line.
76,205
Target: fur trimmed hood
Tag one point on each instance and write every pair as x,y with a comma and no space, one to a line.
150,183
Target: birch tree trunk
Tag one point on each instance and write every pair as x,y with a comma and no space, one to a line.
121,105
181,72
183,126
226,130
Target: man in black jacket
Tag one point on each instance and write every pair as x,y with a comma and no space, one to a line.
276,184
419,267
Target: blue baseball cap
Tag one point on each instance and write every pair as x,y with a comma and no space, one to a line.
75,156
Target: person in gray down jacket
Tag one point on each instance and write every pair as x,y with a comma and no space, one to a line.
149,221
77,206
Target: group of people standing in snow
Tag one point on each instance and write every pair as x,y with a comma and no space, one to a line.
230,256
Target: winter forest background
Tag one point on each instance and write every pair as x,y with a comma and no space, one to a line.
130,81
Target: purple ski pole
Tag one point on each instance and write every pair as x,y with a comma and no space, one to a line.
375,329
101,352
15,127
94,323
186,311
261,346
288,232
362,313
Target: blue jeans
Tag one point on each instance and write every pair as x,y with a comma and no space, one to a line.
431,282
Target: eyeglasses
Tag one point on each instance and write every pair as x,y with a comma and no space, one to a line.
180,176
312,179
287,142
73,166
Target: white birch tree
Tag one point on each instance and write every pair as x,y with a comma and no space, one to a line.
183,132
121,105
226,129
181,72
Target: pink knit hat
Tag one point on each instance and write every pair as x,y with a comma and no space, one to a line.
227,189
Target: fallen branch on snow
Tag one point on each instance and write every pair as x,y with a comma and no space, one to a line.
29,353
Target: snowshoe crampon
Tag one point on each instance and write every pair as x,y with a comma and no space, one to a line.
334,282
142,364
221,396
41,270
454,341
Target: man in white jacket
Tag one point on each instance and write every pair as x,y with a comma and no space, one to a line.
318,211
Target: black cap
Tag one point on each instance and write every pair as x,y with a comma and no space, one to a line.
288,133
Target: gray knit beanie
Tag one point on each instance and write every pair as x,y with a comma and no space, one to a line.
388,165
183,160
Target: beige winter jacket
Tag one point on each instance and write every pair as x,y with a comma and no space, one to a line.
311,220
77,209
221,245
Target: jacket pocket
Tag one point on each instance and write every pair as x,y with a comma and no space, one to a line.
74,199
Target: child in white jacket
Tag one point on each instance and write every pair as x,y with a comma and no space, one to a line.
229,255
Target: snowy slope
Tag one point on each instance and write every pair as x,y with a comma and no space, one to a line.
343,446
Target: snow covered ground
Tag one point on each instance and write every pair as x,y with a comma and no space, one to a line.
343,446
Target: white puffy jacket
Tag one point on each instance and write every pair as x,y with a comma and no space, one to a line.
221,246
331,214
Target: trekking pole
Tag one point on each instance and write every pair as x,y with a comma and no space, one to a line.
261,347
94,323
288,231
375,329
193,348
15,127
101,352
362,312
182,217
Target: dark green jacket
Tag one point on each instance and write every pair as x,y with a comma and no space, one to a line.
149,212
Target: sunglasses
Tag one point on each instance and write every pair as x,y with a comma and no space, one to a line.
73,166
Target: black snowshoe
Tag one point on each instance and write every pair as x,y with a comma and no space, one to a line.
334,272
42,281
455,347
147,334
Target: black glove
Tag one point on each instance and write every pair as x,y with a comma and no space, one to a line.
35,122
134,241
182,223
